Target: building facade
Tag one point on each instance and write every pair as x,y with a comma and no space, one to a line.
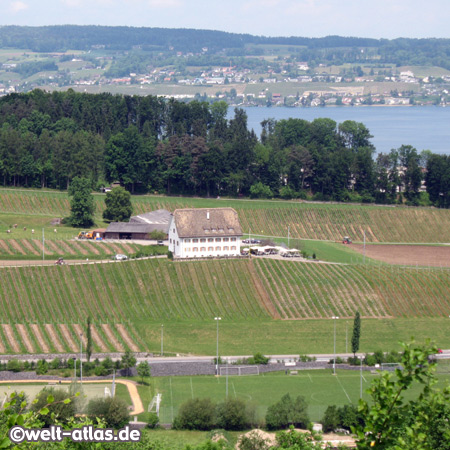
202,232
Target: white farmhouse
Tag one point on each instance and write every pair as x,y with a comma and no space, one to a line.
200,232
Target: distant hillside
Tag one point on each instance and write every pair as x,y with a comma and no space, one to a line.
334,49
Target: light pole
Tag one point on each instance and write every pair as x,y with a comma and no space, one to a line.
217,340
360,375
162,340
334,359
81,358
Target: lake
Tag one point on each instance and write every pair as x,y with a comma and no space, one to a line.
423,127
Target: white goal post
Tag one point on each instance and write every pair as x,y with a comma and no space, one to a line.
390,367
239,370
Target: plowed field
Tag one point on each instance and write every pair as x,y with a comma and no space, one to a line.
421,255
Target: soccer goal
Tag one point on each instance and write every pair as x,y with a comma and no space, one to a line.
154,404
390,367
239,370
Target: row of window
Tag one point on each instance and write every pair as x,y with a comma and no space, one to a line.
211,249
195,241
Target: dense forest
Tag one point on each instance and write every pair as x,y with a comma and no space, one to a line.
150,144
330,49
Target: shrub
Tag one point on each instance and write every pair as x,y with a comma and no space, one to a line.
253,441
55,363
113,411
63,411
153,421
379,356
370,360
287,193
288,412
259,190
231,415
196,414
259,358
41,367
330,419
14,365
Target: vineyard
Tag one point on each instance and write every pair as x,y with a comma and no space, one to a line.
70,249
272,218
44,309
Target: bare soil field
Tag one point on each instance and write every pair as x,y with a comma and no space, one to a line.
411,255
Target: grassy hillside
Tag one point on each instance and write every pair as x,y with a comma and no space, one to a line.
129,301
270,218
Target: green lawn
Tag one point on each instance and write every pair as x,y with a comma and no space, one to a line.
319,387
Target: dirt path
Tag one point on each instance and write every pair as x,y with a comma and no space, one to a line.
7,329
126,337
39,337
53,336
68,337
138,407
98,340
112,339
25,338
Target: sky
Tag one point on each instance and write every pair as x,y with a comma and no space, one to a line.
307,18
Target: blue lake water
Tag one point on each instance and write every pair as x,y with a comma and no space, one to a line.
423,127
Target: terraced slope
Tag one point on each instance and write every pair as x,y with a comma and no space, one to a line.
42,307
272,218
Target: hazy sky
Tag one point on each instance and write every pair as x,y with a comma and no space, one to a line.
309,18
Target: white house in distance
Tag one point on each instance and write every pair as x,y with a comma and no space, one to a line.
199,232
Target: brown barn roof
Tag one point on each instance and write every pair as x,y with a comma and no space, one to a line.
207,222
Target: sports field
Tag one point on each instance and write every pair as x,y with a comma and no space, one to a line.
319,387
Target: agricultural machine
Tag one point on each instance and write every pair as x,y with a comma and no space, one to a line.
346,240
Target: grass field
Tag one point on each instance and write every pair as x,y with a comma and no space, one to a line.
319,387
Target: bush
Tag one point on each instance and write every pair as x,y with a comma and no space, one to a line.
330,419
259,358
53,399
259,190
370,360
287,193
41,367
253,441
14,365
153,421
231,415
113,411
288,412
306,358
196,414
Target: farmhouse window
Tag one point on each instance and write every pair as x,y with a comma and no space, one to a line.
225,248
218,249
187,240
178,243
225,239
210,240
218,239
233,247
203,240
233,239
194,241
195,249
210,249
203,249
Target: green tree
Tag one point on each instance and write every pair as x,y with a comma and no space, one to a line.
392,422
58,408
89,339
114,411
356,333
231,414
196,414
118,205
128,361
287,412
82,205
143,370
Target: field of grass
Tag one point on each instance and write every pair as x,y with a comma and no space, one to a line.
319,387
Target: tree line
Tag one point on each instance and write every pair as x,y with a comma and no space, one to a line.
150,144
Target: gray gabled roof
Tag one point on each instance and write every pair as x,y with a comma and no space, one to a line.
161,217
128,227
195,222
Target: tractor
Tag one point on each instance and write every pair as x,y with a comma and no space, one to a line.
346,240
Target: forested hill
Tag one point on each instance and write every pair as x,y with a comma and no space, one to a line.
151,144
400,51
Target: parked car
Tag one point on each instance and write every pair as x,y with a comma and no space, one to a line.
120,257
160,242
60,261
